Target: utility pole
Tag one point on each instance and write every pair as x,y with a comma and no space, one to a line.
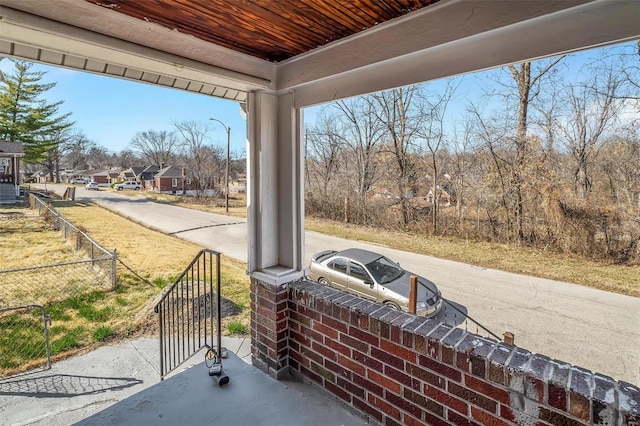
226,172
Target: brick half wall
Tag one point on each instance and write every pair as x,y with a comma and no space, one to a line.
401,369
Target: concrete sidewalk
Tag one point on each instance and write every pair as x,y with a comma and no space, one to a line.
121,385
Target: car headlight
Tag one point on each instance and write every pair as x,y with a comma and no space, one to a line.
421,306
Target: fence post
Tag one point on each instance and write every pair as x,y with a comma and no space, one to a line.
114,284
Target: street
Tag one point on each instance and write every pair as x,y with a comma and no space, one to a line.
586,327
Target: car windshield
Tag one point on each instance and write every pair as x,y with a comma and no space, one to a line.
384,270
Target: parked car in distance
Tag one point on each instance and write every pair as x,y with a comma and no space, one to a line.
128,185
92,185
375,277
79,180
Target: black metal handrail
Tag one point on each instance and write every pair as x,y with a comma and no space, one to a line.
468,318
185,312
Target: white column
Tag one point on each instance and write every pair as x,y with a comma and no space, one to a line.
275,188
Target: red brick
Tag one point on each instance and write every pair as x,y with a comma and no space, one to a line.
432,420
344,350
338,369
384,381
384,406
459,420
555,418
364,336
557,397
404,405
368,385
310,374
334,323
368,361
485,418
366,408
323,372
440,368
446,399
304,361
399,376
350,387
425,376
486,389
387,358
354,343
579,406
324,351
351,365
398,350
312,334
327,331
473,397
507,413
339,392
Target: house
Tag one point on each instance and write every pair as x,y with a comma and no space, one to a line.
132,173
101,176
10,155
173,180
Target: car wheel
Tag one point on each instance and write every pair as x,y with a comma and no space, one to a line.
119,189
324,281
392,305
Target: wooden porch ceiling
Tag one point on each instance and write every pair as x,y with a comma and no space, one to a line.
267,29
321,50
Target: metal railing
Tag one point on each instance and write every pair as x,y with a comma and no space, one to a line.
22,327
79,239
186,312
457,317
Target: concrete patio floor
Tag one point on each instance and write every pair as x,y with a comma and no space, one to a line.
120,385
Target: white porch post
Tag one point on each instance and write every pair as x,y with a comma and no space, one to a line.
275,188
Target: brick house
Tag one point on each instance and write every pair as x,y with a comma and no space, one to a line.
173,180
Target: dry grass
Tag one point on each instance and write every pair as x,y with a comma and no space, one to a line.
609,277
149,259
25,241
237,205
155,257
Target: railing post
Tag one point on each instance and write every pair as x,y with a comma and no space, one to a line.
413,292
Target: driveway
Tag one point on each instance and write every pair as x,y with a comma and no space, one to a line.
589,328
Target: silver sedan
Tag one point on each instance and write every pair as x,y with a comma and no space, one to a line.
375,277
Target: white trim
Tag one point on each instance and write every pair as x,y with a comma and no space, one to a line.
322,75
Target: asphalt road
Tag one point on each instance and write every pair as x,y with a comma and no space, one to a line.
589,328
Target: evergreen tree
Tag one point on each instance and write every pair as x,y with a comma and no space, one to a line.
26,117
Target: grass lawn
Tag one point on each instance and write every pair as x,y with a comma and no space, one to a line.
150,261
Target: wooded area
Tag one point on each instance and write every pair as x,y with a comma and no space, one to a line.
542,154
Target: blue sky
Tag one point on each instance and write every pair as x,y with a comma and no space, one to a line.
110,111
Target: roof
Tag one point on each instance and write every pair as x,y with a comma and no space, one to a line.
13,148
150,169
359,255
170,172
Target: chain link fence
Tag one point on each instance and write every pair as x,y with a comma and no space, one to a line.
26,294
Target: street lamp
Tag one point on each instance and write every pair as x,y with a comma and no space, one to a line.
226,172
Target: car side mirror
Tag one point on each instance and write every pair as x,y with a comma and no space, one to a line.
369,283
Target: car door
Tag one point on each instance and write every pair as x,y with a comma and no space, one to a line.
361,283
337,273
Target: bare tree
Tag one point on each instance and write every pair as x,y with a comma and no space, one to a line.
203,161
324,145
157,147
590,109
433,109
363,133
397,111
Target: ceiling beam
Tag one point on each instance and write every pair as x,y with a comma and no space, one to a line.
591,24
